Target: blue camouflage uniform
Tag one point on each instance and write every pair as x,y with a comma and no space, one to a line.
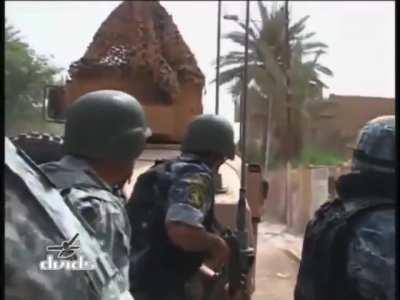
36,216
191,196
184,193
371,256
349,250
97,206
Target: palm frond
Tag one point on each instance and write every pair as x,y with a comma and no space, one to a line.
237,57
256,26
252,33
229,75
307,35
298,26
239,38
235,36
267,83
318,52
263,11
320,83
324,70
236,88
266,49
309,46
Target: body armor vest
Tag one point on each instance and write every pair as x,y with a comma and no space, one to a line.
153,253
322,273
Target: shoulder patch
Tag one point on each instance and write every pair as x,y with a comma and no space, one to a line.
198,190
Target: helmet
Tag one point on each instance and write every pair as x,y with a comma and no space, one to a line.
375,147
106,124
209,133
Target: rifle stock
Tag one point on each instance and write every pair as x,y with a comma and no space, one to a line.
236,272
242,255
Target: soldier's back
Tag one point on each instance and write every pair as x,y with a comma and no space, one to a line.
37,217
28,231
348,251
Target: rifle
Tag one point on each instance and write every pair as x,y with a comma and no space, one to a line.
241,254
241,257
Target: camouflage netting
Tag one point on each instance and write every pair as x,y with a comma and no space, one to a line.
137,37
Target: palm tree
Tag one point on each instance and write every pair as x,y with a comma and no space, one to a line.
267,69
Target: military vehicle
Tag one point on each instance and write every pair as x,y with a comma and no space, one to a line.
139,50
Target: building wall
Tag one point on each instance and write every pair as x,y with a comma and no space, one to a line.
332,126
338,123
256,122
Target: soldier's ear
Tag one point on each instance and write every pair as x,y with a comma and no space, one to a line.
129,144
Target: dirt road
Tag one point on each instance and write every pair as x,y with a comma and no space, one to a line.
277,262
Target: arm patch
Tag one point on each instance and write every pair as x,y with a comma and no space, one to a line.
198,189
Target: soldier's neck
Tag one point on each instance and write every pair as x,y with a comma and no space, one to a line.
113,173
212,161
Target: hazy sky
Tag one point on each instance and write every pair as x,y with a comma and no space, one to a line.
360,36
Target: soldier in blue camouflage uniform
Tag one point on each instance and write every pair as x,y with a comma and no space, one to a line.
349,250
36,216
104,132
171,213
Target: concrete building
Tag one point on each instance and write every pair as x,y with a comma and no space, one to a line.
333,123
336,123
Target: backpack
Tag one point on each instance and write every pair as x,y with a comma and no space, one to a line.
154,258
148,203
322,273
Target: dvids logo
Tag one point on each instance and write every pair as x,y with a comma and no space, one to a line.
67,258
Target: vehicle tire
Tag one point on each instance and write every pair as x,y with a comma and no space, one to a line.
40,147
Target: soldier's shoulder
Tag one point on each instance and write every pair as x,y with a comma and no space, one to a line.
371,249
329,209
90,193
94,204
25,249
189,167
194,177
193,160
373,236
49,165
376,222
326,217
53,167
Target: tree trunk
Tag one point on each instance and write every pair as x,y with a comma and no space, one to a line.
268,135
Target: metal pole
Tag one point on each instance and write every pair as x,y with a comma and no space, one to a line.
245,258
288,138
218,59
244,98
287,75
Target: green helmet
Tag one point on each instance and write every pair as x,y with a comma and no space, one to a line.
106,124
209,133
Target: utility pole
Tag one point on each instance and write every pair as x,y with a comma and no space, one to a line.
288,140
218,59
243,104
246,253
288,83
